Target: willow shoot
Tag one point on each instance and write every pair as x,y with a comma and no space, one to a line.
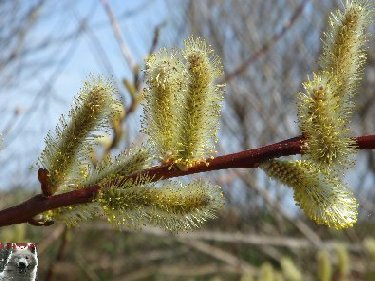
173,206
183,103
324,111
175,90
181,118
327,104
67,149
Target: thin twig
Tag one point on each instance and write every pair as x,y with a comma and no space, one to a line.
253,239
234,238
155,38
251,158
86,267
60,255
50,239
219,254
125,51
266,46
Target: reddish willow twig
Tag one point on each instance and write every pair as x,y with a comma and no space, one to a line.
251,158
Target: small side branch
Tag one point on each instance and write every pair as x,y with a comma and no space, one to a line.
251,158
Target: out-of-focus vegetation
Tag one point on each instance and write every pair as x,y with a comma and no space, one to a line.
268,48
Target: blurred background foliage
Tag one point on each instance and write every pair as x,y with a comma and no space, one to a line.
268,48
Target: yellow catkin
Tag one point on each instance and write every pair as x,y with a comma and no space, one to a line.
247,276
134,204
73,215
325,128
321,196
290,270
369,245
266,272
166,82
343,262
183,103
343,46
67,148
325,108
324,266
124,164
202,105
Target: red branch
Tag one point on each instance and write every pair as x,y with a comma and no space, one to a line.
250,158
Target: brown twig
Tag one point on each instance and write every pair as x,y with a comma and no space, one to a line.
155,38
60,255
220,255
50,239
238,238
250,158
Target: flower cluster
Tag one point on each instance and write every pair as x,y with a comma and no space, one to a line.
324,111
183,103
181,117
67,149
322,197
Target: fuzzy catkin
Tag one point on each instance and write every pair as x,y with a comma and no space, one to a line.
343,46
67,149
202,105
165,78
325,108
324,266
133,204
369,245
266,272
322,197
124,164
326,129
343,262
183,103
74,215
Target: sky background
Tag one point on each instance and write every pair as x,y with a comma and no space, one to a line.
41,95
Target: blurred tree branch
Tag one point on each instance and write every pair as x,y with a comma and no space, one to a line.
268,45
120,39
